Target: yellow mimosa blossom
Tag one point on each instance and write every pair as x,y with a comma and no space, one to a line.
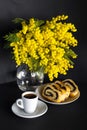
47,45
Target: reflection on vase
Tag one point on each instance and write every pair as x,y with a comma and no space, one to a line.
27,80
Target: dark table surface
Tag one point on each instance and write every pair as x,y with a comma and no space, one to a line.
71,116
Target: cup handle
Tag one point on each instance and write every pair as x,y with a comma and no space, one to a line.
19,103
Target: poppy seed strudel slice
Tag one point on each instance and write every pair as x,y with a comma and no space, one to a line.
73,87
53,93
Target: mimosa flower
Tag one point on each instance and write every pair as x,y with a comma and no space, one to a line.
45,44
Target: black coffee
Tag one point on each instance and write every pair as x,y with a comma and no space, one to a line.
30,96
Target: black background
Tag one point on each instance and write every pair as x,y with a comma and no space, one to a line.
43,9
67,117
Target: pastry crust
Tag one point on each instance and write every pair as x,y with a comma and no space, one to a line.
65,89
72,85
51,93
59,91
54,92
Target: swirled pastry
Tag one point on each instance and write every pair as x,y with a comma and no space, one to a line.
59,91
53,92
72,85
65,89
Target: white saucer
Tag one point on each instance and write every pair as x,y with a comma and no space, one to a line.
40,110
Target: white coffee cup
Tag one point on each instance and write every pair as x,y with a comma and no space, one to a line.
28,102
